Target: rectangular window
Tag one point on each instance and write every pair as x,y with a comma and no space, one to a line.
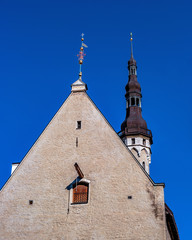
133,140
132,101
144,141
80,193
78,124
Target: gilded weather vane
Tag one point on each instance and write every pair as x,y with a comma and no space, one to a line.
81,55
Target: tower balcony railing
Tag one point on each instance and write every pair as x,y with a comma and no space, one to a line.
134,131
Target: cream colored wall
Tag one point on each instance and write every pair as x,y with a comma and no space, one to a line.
48,168
142,157
135,152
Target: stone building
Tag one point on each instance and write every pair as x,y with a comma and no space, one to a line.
82,180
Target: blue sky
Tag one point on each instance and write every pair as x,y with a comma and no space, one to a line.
39,44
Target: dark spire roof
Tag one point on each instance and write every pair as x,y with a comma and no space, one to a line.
132,60
134,123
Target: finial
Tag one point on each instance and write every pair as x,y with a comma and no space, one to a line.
81,55
131,39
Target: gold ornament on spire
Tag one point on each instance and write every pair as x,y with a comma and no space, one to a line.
81,54
131,39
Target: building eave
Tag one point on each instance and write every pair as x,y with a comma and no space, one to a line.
171,224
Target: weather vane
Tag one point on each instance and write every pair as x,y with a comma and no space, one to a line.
81,55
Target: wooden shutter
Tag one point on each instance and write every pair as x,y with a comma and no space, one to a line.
80,193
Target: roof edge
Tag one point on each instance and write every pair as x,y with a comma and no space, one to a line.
147,175
171,224
34,143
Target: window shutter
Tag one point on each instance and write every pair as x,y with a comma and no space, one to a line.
80,193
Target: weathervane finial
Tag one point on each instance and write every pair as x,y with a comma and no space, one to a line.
131,39
81,55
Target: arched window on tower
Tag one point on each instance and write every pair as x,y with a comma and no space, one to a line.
80,193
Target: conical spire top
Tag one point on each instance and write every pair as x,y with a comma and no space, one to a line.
132,61
134,123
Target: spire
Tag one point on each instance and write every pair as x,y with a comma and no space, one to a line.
132,65
81,55
134,123
131,39
134,132
79,85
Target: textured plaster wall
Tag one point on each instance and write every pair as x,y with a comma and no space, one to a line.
48,169
142,157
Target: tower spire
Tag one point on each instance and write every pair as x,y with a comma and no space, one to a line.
131,39
134,131
81,55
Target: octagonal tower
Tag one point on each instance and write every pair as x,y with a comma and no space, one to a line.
134,132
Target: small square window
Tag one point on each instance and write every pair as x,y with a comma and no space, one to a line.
133,140
78,124
30,202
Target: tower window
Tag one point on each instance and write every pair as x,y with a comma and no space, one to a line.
132,70
137,102
132,101
78,125
80,193
144,141
133,140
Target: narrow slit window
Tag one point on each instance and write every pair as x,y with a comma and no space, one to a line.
78,124
76,141
144,165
